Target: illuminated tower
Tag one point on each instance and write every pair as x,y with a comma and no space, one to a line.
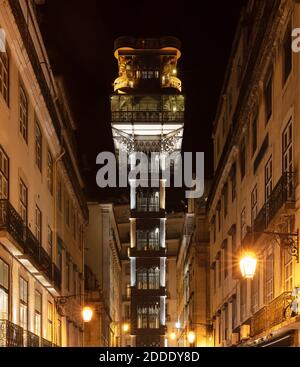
147,110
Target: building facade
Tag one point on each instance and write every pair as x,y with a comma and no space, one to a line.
147,117
42,210
256,186
193,281
103,277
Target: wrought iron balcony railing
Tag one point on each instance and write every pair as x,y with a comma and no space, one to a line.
31,339
11,221
46,343
11,335
272,314
147,116
283,193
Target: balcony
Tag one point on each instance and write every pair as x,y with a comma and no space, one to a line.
147,252
272,314
46,343
281,198
11,335
22,243
31,339
147,116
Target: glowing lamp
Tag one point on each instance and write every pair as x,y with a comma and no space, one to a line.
191,337
248,265
87,314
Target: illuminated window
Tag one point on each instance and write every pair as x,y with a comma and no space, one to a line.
23,115
148,317
23,201
287,148
269,277
37,313
38,146
50,321
4,172
23,294
4,290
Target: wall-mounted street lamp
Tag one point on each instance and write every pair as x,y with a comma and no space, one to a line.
248,265
191,337
126,327
286,240
86,312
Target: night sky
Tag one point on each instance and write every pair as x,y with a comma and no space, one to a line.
79,37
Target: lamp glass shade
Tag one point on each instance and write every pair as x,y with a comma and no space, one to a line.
191,337
87,314
248,265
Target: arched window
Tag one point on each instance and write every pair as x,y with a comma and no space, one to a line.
153,278
141,276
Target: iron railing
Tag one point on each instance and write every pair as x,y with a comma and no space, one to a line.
46,343
11,221
272,314
147,116
283,192
31,339
11,335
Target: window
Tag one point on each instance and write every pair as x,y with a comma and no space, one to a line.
219,269
268,93
127,269
225,259
234,312
214,277
38,301
127,312
50,241
4,76
254,134
23,201
59,331
67,211
268,179
68,275
233,181
148,200
4,174
148,317
269,275
287,53
287,148
226,319
253,204
148,278
243,160
243,224
219,215
128,290
288,271
50,321
4,290
243,296
225,199
38,146
148,240
23,294
50,172
38,224
23,115
255,292
59,195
